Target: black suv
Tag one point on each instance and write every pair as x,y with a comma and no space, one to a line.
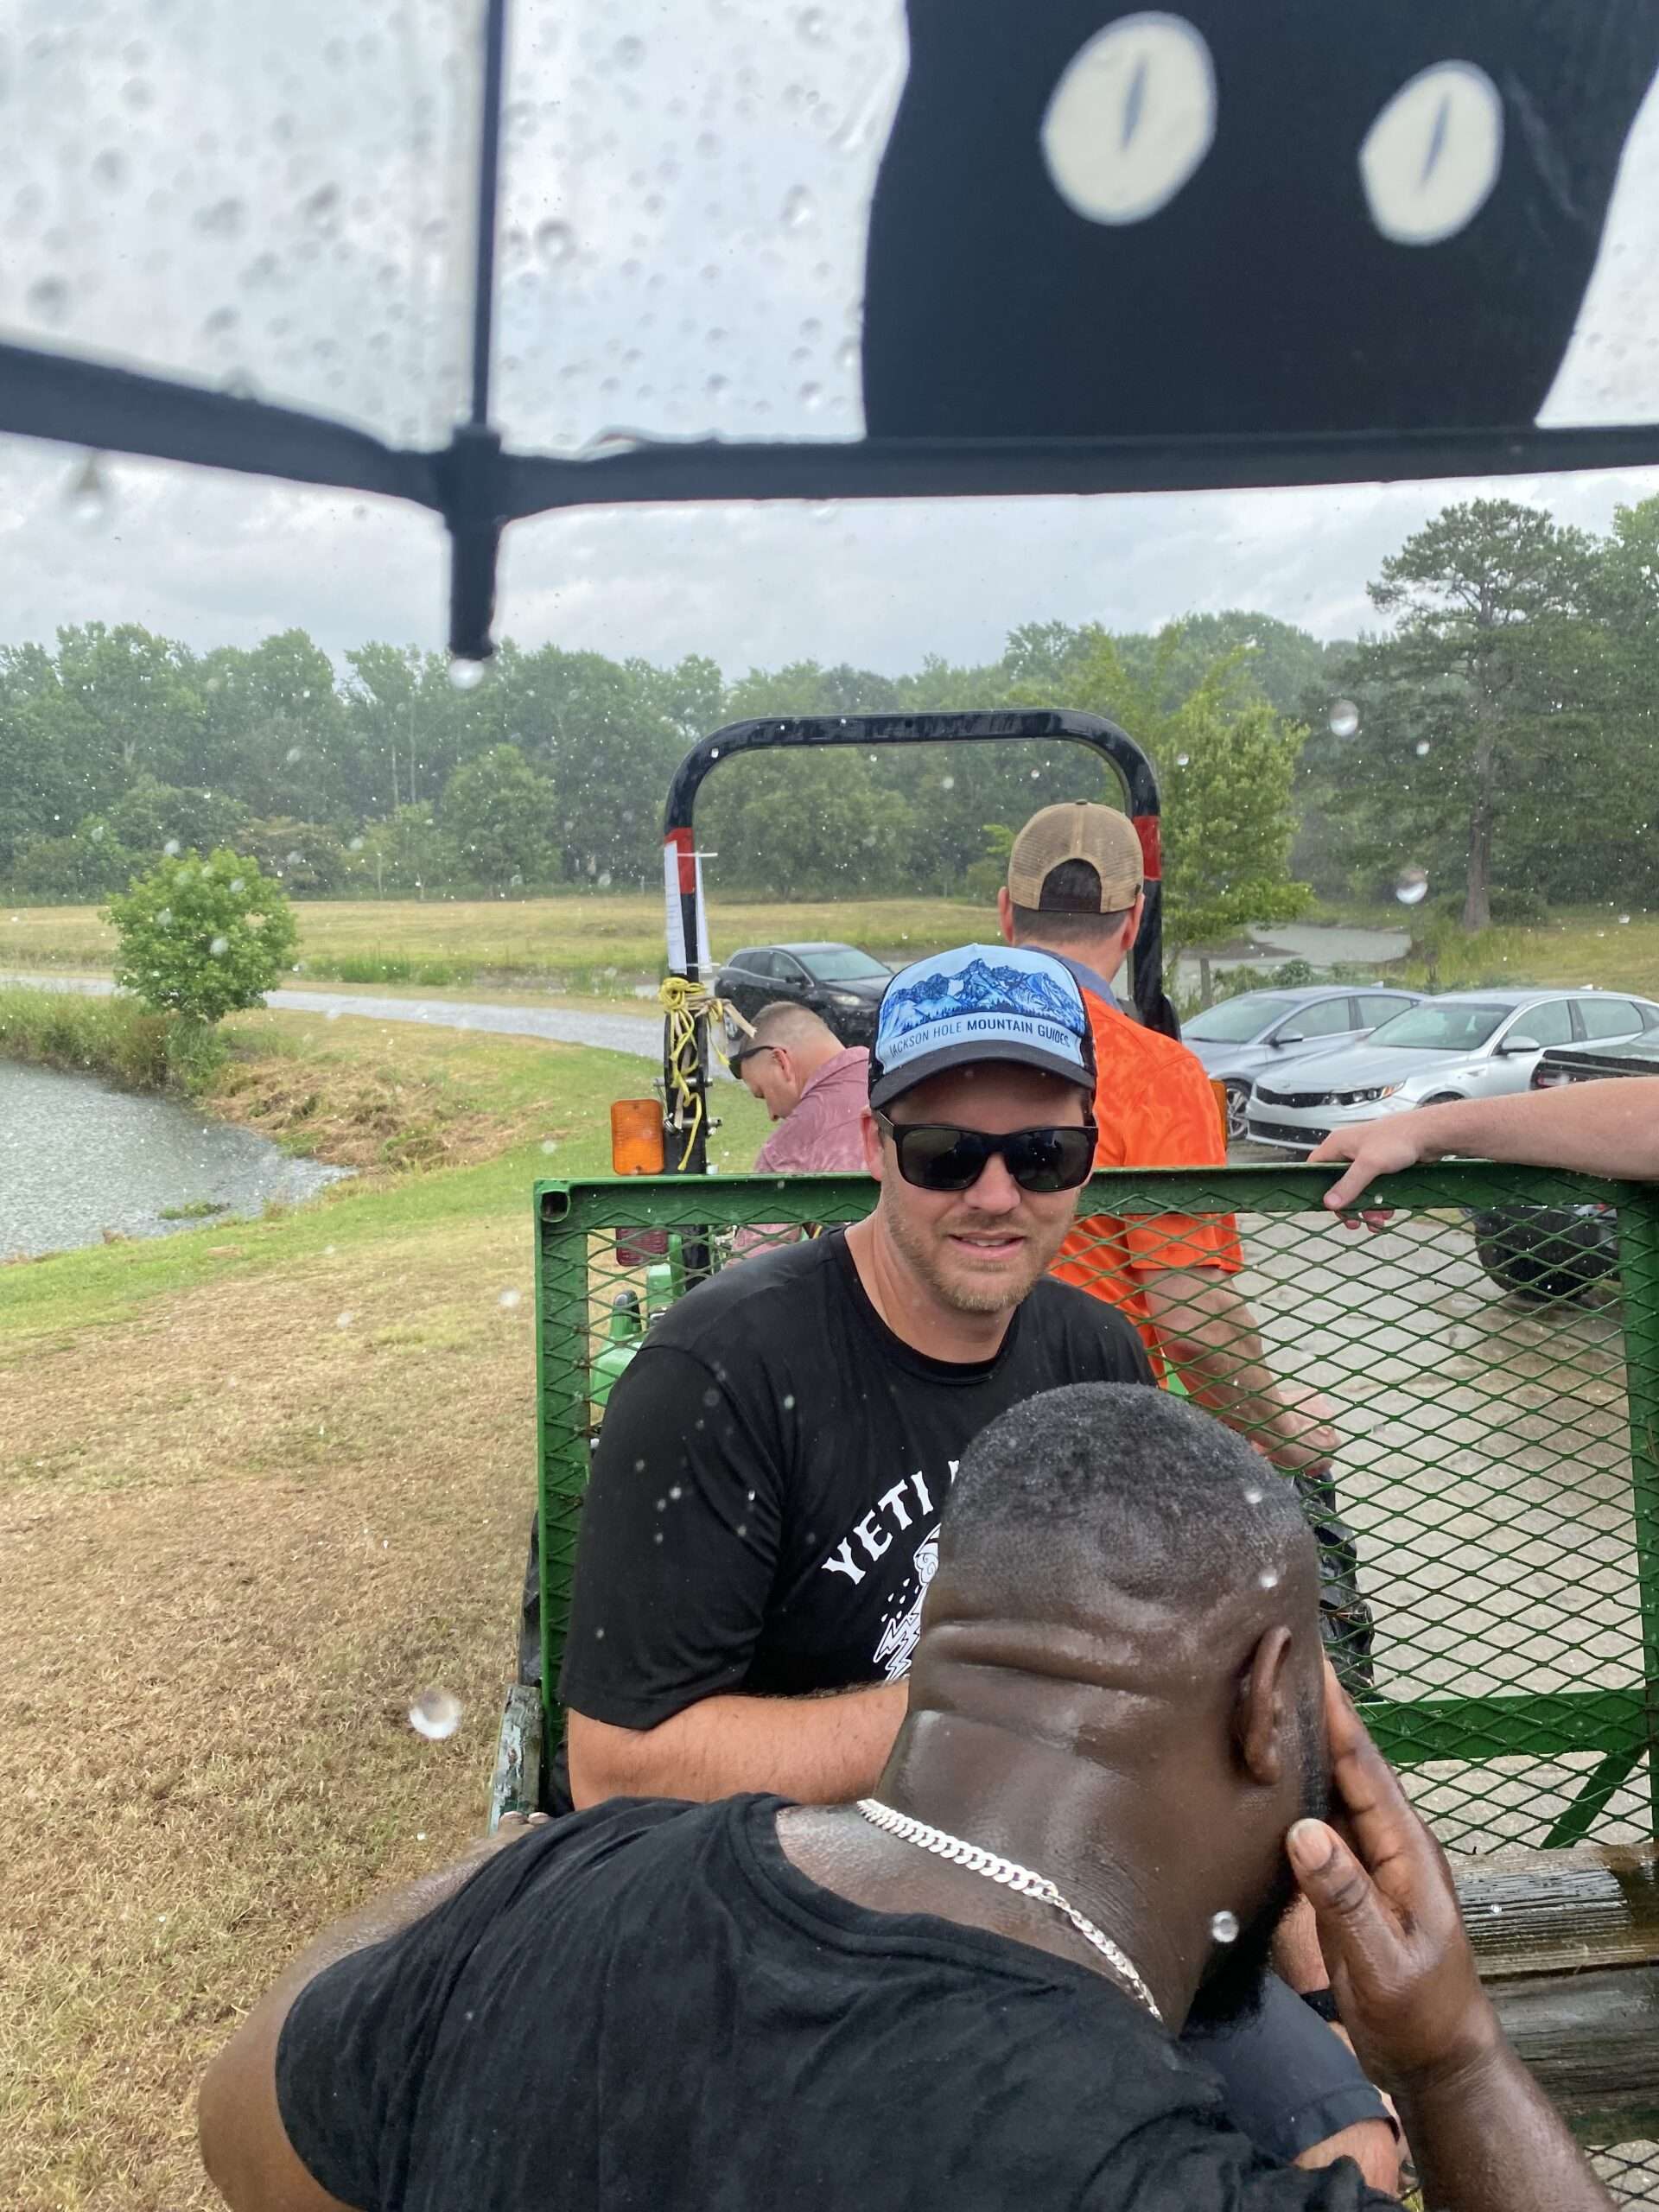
837,982
1548,1252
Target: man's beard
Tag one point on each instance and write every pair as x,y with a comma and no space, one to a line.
925,1254
1231,1990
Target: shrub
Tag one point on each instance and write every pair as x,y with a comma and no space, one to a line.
202,938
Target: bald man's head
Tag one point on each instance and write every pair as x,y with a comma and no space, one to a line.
1123,1582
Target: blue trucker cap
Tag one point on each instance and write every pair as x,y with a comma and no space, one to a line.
980,1002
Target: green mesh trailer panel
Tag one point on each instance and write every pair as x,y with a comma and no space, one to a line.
1490,1365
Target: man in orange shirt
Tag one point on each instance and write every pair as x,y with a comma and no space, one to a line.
1074,890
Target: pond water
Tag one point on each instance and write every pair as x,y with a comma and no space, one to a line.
77,1157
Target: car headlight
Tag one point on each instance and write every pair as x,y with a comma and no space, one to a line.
844,998
1368,1097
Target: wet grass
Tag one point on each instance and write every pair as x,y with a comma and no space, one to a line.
260,1484
593,941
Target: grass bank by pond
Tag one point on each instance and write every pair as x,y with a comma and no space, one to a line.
261,1483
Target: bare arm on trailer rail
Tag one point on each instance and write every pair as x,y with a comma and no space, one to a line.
1607,1128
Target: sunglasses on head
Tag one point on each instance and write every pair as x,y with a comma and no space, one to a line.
935,1156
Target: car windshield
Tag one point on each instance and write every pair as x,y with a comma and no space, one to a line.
842,963
1234,1019
1441,1028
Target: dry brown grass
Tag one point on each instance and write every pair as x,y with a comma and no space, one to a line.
239,1538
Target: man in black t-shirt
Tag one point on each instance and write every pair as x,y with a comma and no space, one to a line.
762,1522
1116,1718
763,1511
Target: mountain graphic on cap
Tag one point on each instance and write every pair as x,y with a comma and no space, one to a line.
974,988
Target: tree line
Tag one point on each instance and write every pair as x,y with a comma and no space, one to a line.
1497,737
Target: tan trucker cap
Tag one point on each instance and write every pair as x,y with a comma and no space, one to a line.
1075,830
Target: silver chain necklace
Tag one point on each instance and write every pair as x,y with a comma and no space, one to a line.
1013,1878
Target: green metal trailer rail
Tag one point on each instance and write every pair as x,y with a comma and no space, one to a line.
1499,1460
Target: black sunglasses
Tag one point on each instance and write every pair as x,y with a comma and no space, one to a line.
934,1156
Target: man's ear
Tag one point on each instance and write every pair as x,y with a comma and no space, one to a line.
1005,913
1132,927
872,1136
1264,1709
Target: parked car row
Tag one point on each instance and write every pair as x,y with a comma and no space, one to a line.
1462,1045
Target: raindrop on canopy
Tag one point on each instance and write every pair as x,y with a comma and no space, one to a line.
171,848
1422,749
1224,1928
435,1714
1182,760
797,210
1624,919
556,242
509,1300
87,496
1343,718
1411,886
466,674
219,947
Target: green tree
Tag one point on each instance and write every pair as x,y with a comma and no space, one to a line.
1491,683
500,814
202,938
1225,764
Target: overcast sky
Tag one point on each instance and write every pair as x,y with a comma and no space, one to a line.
220,560
681,244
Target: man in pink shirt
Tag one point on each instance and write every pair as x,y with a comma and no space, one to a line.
813,1086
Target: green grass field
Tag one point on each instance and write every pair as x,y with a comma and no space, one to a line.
261,1483
588,942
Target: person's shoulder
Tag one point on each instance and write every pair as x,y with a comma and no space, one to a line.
1131,1040
1064,1314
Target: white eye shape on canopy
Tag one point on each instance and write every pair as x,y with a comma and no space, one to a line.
1131,118
1134,115
1432,156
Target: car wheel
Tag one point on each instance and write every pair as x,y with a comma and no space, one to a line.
1239,1112
1546,1252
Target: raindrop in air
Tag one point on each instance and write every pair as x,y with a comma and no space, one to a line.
947,783
47,299
466,674
1343,718
556,243
98,833
171,848
1411,886
355,846
509,1300
344,1320
219,947
295,859
294,754
1422,749
1224,1928
87,496
1624,919
798,208
1253,1496
550,1145
1268,1579
603,879
237,883
435,1714
165,918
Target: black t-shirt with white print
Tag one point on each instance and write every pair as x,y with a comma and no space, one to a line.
763,1511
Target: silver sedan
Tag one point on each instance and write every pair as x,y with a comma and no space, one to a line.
1466,1044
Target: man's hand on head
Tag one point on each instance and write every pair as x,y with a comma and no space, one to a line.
1401,1966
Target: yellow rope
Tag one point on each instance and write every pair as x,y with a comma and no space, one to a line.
683,1000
